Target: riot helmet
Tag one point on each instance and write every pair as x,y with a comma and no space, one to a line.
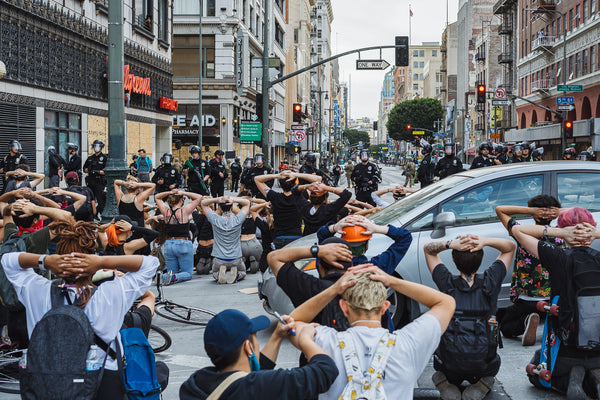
51,150
426,148
485,146
259,158
194,149
364,155
569,153
585,156
449,147
166,158
517,148
72,146
237,159
14,146
311,158
219,153
248,162
98,145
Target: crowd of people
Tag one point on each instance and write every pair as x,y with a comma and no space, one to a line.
351,346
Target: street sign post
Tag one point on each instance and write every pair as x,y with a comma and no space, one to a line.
565,107
501,102
500,94
569,88
371,64
565,100
438,134
250,131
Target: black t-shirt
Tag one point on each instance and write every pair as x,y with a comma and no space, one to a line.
300,286
314,219
492,279
142,320
286,217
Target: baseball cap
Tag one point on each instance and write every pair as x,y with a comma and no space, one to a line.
72,175
230,328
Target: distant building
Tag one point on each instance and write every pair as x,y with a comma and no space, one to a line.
420,55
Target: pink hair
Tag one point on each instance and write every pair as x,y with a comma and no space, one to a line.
574,216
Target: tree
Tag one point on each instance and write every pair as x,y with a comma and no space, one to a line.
354,136
419,113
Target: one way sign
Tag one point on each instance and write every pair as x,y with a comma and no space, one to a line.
372,64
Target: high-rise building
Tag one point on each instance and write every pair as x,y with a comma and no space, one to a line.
386,103
420,55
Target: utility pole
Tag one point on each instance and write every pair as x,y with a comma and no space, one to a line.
116,109
200,70
266,145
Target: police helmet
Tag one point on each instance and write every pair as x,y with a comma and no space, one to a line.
585,156
311,158
259,158
485,146
569,151
364,155
517,147
194,149
98,145
249,162
15,144
166,158
237,159
526,145
51,150
72,146
219,153
537,152
449,147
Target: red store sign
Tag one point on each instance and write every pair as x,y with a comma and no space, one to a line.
136,84
169,104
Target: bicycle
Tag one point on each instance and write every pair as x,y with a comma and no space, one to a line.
177,312
9,369
159,339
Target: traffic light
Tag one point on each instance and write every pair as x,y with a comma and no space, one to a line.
297,112
408,127
481,94
568,127
332,146
402,52
296,149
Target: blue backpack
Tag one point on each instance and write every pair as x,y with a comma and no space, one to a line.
139,366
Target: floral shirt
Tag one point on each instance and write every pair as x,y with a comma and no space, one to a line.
529,278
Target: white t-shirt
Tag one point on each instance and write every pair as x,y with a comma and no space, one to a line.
416,343
105,310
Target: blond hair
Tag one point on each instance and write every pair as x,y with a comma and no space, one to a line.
366,295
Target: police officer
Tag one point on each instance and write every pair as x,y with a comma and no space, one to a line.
95,180
484,159
585,156
198,172
426,166
309,167
569,154
502,154
11,160
218,174
449,164
73,160
366,177
517,151
236,171
245,181
166,177
526,152
56,166
259,169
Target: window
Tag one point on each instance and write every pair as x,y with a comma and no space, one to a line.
570,68
415,53
415,86
478,205
570,19
416,64
422,64
584,63
433,53
593,59
421,53
585,10
185,52
577,16
163,20
415,77
296,35
579,189
144,14
319,33
61,128
279,35
420,77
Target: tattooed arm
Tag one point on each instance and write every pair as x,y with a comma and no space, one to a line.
433,248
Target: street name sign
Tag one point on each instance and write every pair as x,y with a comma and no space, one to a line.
570,88
501,102
438,134
250,131
371,64
565,107
418,132
565,100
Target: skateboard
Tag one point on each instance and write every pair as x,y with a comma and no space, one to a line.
550,345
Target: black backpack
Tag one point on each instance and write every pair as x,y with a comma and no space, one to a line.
469,343
578,321
8,295
86,209
56,358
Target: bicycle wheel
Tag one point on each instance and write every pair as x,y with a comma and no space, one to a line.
159,339
9,372
184,314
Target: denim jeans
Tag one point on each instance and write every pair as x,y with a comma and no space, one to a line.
179,257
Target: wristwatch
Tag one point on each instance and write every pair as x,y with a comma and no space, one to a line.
448,243
314,250
41,265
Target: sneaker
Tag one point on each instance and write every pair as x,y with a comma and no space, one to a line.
232,275
479,389
447,390
167,278
531,324
595,374
575,390
222,278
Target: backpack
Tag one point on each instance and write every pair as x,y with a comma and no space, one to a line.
8,295
578,318
57,354
470,341
138,365
86,209
364,385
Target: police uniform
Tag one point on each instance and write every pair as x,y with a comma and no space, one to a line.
253,173
480,162
217,184
426,170
236,171
74,164
448,165
9,163
366,178
310,170
55,163
170,176
95,181
196,176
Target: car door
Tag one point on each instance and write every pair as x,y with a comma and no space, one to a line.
475,213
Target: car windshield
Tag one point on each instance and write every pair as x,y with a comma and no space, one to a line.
401,207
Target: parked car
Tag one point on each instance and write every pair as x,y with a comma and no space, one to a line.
461,204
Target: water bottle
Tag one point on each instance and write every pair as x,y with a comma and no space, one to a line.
93,361
23,360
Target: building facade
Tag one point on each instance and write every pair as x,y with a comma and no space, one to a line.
56,89
386,103
420,55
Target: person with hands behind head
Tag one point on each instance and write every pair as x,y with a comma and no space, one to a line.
317,211
530,281
227,264
287,220
131,195
389,362
20,178
122,237
243,371
476,296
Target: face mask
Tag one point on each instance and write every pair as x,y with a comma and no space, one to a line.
97,147
254,364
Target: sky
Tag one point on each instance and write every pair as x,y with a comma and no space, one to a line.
364,23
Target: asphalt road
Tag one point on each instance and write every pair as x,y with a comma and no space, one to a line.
187,354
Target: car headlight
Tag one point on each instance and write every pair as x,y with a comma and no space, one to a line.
306,264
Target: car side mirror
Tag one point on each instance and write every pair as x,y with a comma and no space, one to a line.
440,222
